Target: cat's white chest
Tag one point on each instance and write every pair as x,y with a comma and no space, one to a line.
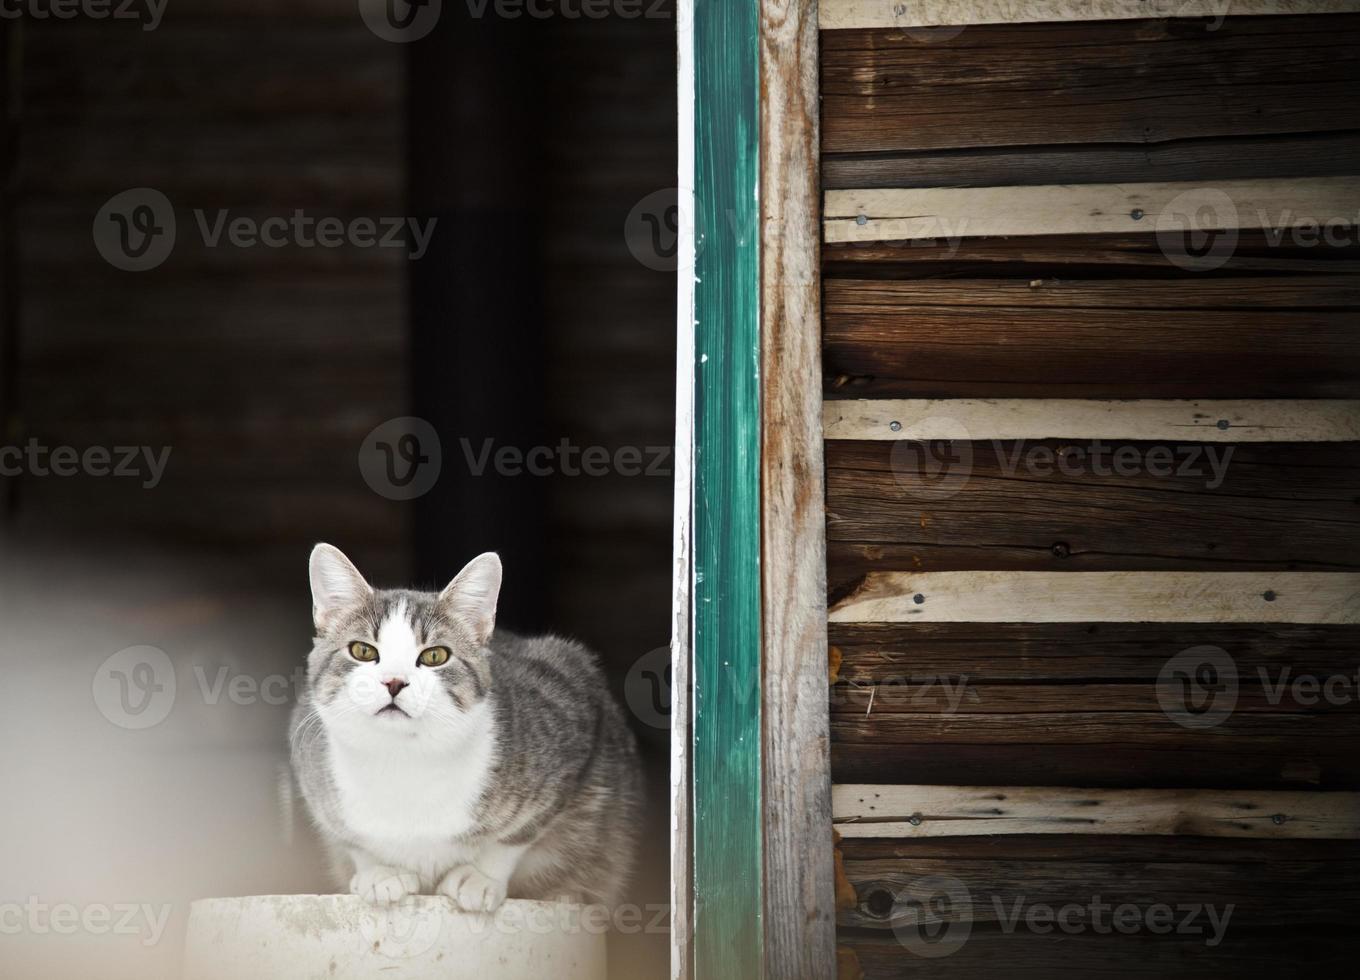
410,807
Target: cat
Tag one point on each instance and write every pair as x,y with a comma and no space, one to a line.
439,755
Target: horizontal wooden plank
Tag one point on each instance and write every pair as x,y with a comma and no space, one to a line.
903,214
1303,761
1221,337
1144,255
1132,82
1284,690
860,297
847,14
1147,728
1283,893
1091,505
962,419
1031,677
1103,597
967,811
1065,653
992,954
1231,158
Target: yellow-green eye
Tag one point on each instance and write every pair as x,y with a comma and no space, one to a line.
435,656
365,652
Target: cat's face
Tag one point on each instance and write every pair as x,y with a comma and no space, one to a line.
400,665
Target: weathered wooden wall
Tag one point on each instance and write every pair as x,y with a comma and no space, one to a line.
1120,315
263,368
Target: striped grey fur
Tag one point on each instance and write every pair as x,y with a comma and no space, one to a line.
565,780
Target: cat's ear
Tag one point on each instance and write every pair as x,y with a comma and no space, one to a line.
471,596
336,584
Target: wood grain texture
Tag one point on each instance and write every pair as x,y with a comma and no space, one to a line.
726,598
1269,337
967,811
991,954
886,90
1279,887
682,531
1141,870
1091,505
1044,673
1050,257
1217,420
1206,160
847,14
1103,597
1068,653
799,878
1240,761
902,214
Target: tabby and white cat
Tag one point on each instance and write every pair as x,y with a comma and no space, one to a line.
440,756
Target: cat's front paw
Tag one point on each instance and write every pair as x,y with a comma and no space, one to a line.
382,885
472,890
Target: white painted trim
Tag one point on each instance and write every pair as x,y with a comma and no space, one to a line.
969,811
1279,420
682,562
1103,597
951,213
846,14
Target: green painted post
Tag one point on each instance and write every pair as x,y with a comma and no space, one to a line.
728,936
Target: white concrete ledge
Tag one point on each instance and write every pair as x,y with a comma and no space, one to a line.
326,937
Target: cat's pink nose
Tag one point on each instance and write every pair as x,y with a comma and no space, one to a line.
394,686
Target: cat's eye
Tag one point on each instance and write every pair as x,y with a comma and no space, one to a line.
363,652
435,656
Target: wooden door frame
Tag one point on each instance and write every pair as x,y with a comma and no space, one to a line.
752,878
